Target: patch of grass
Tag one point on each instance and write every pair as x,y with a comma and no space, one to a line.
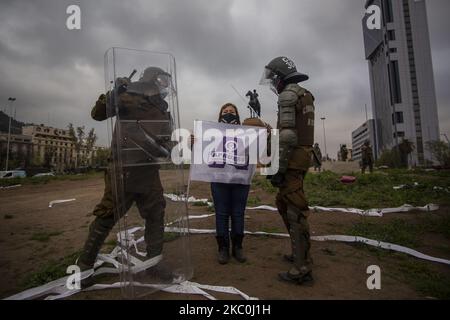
424,280
45,236
376,190
263,183
253,201
439,225
415,273
8,216
397,231
47,179
401,232
111,243
52,270
170,236
273,230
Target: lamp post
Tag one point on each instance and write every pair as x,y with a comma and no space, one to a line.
10,101
324,137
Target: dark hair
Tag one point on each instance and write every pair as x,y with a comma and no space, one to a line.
235,109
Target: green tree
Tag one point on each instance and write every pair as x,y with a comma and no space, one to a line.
440,151
48,157
90,142
82,143
405,148
101,157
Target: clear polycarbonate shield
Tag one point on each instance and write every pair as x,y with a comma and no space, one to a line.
148,188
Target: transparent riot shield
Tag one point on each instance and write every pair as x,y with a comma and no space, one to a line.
148,188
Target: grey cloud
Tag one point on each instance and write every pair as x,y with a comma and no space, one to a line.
57,72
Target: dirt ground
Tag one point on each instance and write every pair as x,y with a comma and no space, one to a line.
339,269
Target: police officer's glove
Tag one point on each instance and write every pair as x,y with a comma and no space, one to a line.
121,85
121,89
277,180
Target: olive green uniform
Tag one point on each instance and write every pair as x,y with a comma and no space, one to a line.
142,185
296,125
367,158
316,158
344,153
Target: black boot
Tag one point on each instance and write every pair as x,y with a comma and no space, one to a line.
237,251
300,279
224,254
98,231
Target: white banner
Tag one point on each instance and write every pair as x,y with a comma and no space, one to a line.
225,153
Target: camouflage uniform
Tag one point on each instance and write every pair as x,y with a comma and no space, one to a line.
367,157
291,201
142,185
316,161
344,153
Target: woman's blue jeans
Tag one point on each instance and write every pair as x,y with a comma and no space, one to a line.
229,201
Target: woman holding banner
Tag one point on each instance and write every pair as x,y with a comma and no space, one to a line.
229,202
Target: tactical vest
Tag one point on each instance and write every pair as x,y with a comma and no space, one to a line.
304,121
305,118
134,111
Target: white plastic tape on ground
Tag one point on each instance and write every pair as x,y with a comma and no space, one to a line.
10,187
380,212
380,244
52,203
341,238
57,289
185,287
369,212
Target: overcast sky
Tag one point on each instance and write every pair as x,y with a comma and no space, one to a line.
56,74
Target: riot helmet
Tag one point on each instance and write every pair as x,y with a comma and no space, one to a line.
153,81
280,72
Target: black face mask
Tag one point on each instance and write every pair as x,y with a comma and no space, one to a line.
230,118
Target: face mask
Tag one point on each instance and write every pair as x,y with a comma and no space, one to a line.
230,118
164,93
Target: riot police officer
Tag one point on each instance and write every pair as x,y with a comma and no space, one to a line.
135,102
296,138
366,157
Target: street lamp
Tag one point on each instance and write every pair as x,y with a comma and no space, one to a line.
324,137
10,101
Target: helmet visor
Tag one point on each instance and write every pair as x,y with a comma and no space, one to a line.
271,79
163,81
165,85
267,77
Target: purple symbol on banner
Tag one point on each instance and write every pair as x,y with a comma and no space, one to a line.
229,155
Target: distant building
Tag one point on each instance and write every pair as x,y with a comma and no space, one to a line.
401,77
56,148
20,149
365,132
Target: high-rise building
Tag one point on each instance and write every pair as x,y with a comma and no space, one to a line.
401,77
